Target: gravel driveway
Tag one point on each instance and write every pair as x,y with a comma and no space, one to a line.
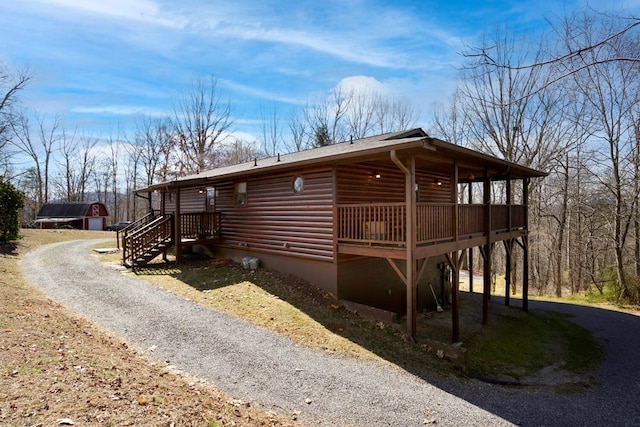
261,367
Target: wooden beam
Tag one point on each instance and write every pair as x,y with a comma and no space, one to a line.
508,248
177,239
525,247
525,274
410,181
372,251
454,196
399,272
486,291
410,219
454,262
470,250
421,267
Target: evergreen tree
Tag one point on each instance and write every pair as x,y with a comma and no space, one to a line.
322,137
11,202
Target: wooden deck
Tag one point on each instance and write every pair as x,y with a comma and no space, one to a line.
379,229
154,235
375,229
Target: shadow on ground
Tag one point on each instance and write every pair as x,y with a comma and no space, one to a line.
513,403
386,341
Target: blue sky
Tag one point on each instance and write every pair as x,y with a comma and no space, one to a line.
101,63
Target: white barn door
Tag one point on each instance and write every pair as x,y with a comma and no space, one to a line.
95,224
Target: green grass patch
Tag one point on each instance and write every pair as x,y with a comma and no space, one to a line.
518,345
514,345
289,306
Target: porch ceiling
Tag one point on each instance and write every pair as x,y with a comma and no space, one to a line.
470,167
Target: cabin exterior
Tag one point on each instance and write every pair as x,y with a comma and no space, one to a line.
78,215
374,221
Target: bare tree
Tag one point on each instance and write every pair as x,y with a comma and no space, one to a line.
153,140
77,165
38,149
114,177
372,113
362,113
325,118
271,131
201,121
494,111
394,115
237,152
571,61
299,132
502,117
151,146
448,121
613,91
636,190
11,83
351,114
132,177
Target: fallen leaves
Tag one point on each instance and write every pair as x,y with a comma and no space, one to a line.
88,377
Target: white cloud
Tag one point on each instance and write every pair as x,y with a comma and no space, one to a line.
257,93
346,48
120,110
137,10
359,84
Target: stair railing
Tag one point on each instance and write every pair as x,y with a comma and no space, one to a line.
121,235
146,238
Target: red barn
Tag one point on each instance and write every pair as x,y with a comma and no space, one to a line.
78,215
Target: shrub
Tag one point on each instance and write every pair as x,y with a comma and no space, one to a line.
11,202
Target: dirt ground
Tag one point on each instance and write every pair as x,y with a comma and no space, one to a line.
58,369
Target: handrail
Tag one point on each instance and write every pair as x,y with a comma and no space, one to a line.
199,225
134,226
385,223
147,237
159,230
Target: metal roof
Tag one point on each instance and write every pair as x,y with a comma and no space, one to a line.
66,210
54,220
352,150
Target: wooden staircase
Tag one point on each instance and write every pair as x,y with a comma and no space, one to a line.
146,239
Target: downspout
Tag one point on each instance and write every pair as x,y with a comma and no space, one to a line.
411,297
401,166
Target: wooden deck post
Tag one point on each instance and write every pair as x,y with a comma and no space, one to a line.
470,261
410,239
508,246
486,292
525,247
177,238
411,246
508,249
454,261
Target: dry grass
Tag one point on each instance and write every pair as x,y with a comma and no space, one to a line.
314,319
55,365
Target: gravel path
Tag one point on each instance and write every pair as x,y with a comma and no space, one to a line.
258,366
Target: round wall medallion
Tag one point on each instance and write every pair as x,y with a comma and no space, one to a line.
298,184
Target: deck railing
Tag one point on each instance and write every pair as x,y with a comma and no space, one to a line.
154,233
372,223
201,225
385,223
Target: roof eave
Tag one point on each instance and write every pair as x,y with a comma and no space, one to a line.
272,163
525,171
